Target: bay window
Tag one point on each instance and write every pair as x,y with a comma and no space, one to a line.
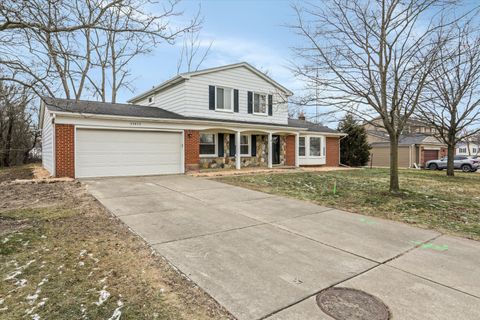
301,147
315,146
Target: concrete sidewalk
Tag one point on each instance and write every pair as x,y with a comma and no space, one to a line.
263,256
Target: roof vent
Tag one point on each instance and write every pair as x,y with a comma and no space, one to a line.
301,116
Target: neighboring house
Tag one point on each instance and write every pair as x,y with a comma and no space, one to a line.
467,149
417,144
226,117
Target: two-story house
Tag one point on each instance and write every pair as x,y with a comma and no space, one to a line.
417,144
232,116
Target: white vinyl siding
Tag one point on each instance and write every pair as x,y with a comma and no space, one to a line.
172,99
47,143
242,79
106,153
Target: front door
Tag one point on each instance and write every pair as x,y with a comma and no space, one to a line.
275,149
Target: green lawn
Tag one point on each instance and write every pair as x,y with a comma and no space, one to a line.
429,199
63,256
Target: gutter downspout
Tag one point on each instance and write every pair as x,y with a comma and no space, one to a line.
339,157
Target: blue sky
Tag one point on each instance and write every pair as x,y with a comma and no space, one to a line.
248,30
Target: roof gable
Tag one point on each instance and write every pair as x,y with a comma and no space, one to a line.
185,76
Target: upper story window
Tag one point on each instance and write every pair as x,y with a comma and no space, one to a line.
224,99
462,150
315,146
151,99
207,144
259,103
301,147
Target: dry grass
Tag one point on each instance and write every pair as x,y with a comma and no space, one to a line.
429,199
61,254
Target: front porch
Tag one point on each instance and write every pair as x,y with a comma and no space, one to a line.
228,149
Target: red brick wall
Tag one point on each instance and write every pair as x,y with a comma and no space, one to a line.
290,151
65,150
192,150
333,152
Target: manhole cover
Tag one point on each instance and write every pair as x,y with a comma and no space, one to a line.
351,304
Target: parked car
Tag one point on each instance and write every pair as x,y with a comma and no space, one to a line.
463,163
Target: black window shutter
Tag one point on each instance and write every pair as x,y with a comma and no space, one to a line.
254,145
235,100
211,97
232,145
250,101
221,150
270,105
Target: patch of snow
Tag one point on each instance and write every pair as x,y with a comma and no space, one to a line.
5,240
21,283
43,236
35,317
42,303
117,313
81,264
28,264
4,309
13,275
94,259
103,280
32,297
44,280
104,294
2,300
83,253
26,243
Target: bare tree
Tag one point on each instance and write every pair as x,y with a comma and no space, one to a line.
193,53
67,46
453,97
370,58
18,134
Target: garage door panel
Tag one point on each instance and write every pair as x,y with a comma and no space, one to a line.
126,153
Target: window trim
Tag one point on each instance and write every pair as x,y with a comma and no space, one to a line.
323,144
266,103
231,98
249,143
215,142
304,147
153,99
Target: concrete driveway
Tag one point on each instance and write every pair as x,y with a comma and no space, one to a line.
267,257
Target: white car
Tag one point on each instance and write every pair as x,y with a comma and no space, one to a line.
463,163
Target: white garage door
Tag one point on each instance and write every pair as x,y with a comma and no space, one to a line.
105,153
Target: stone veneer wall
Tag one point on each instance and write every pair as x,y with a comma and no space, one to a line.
260,160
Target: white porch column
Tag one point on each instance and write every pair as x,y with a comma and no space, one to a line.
270,150
237,150
297,147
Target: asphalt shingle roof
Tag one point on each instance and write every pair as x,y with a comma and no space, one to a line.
132,110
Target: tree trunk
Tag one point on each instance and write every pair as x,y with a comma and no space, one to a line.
450,156
8,144
394,183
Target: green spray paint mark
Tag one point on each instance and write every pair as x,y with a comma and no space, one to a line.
366,221
335,187
432,246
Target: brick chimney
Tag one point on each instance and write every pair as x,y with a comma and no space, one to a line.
301,116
